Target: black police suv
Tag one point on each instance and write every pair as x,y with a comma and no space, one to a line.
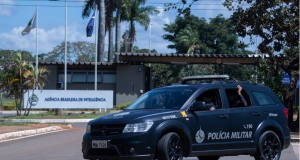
173,122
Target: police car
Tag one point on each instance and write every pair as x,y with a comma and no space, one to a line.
173,122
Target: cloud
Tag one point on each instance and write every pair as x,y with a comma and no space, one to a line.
157,42
210,9
47,39
6,10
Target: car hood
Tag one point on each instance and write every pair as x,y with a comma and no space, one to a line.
132,115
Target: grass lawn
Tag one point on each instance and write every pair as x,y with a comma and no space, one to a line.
51,115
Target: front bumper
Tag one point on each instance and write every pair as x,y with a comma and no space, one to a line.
287,142
124,146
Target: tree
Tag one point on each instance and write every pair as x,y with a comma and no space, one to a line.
180,6
143,50
168,74
189,39
277,24
30,82
8,55
19,77
187,23
191,34
140,15
77,51
110,7
88,8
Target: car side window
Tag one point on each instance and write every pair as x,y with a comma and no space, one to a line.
212,97
235,100
263,98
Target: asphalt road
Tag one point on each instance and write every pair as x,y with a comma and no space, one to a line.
66,145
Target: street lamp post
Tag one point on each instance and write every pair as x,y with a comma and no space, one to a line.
150,39
65,86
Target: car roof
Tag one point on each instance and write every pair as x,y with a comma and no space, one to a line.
256,86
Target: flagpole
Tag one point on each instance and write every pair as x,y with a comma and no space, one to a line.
36,58
95,24
65,45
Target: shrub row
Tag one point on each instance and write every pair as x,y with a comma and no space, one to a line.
123,106
8,107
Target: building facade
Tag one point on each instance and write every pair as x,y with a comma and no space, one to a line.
127,81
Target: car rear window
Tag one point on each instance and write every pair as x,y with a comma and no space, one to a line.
263,98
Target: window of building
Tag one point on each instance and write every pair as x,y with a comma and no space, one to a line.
109,77
79,77
61,77
91,77
263,99
85,76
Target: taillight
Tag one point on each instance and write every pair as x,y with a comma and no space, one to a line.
286,112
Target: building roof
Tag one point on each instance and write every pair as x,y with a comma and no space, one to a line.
175,58
76,63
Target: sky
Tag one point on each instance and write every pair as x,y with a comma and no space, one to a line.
15,15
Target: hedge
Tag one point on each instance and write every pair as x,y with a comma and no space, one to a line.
8,107
123,106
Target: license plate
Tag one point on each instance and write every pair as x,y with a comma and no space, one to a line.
99,144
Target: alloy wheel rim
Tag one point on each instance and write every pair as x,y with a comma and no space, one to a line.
174,148
270,147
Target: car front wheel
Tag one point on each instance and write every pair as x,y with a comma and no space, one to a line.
269,147
170,147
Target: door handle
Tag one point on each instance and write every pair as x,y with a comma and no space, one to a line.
256,113
223,116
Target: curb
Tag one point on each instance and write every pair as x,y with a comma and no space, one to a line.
294,140
48,120
9,135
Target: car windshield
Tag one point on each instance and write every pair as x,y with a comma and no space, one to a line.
165,98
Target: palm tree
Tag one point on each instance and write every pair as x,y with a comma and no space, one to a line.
12,79
119,6
189,39
31,82
88,8
19,77
140,15
111,6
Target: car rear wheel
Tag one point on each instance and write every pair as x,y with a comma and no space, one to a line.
208,157
269,147
170,147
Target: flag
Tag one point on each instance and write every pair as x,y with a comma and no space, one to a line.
31,25
90,26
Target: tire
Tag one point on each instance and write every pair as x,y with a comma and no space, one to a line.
268,147
208,157
170,147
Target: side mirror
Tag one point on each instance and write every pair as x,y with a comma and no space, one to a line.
198,106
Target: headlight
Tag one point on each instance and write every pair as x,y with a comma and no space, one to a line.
138,127
88,128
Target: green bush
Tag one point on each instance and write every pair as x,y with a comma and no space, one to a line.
123,106
8,107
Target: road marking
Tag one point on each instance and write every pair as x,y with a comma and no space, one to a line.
12,139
